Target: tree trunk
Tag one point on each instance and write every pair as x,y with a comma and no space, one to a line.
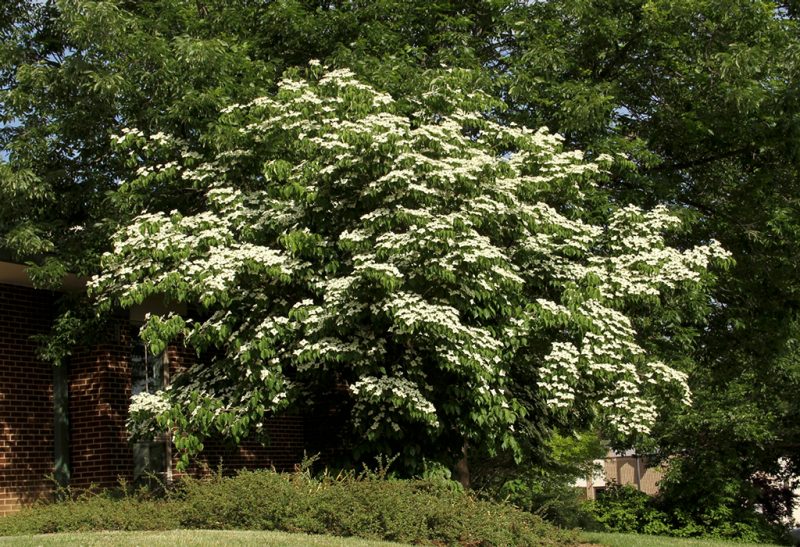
462,468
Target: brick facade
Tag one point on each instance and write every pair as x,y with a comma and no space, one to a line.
284,451
99,385
99,391
26,398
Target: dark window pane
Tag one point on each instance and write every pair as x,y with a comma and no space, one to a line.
147,370
147,375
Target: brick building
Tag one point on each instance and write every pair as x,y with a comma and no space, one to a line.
622,469
68,423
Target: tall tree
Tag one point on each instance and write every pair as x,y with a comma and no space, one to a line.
73,74
425,261
704,96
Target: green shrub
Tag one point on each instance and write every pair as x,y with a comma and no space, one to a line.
412,511
544,485
368,506
100,512
625,509
551,497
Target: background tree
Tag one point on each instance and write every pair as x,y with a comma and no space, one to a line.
705,97
73,74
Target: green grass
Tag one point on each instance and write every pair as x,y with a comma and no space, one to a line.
638,540
191,537
283,539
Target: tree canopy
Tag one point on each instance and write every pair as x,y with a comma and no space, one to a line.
420,260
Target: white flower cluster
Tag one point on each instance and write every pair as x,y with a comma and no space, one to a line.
200,254
412,260
379,399
628,410
142,413
559,372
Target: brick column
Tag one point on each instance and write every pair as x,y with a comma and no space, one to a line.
26,398
99,395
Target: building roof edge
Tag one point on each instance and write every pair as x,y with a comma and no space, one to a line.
12,273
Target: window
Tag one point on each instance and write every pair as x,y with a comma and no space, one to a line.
148,374
147,370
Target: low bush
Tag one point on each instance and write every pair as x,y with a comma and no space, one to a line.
367,506
625,509
98,512
398,510
551,497
543,485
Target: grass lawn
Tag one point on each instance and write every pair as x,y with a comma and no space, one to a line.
283,539
191,537
636,540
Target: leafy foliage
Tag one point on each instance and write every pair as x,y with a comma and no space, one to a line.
701,95
545,487
625,509
73,73
418,260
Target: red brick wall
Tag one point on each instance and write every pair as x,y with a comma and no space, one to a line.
326,427
26,398
283,452
99,394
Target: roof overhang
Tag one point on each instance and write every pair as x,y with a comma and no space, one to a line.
17,274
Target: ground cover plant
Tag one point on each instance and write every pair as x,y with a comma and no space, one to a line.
367,506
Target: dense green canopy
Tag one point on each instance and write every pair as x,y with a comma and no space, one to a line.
703,95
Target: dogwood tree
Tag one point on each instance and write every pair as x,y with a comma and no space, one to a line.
332,239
